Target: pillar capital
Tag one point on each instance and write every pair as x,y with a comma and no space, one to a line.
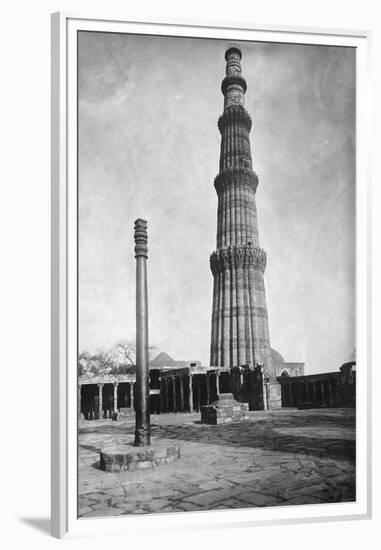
141,238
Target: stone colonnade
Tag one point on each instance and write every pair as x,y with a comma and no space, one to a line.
103,399
321,391
171,391
188,390
333,389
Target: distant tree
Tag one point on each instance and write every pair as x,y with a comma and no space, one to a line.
84,360
93,364
101,362
121,358
124,353
81,370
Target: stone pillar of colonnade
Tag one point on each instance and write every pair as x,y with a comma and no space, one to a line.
314,392
217,383
190,392
330,396
307,391
322,392
182,393
207,388
116,384
79,401
132,394
198,385
100,407
161,395
174,396
166,380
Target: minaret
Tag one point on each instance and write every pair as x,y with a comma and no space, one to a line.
240,333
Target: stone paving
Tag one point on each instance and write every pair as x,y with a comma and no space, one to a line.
278,458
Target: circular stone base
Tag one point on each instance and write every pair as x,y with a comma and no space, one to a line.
122,458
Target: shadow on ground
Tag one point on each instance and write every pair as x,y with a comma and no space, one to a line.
262,433
264,439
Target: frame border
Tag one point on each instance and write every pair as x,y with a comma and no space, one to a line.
60,395
58,278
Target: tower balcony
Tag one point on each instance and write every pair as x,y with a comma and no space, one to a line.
233,80
238,256
236,176
235,115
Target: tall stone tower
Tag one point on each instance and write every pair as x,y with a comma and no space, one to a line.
240,333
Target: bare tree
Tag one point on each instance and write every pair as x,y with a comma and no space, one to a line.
124,352
120,358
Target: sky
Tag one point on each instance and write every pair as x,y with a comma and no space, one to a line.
149,148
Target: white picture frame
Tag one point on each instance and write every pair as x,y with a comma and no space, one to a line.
64,277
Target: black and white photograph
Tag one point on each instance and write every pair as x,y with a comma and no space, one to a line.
216,274
190,265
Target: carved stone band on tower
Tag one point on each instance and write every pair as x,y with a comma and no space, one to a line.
240,333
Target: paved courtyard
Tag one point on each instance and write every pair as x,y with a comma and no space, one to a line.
278,458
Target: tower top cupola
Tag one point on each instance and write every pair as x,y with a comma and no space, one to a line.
233,52
233,85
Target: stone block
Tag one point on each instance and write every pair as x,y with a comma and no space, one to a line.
224,411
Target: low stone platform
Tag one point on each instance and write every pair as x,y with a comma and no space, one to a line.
127,457
225,410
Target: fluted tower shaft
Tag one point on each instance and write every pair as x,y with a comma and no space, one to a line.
240,334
